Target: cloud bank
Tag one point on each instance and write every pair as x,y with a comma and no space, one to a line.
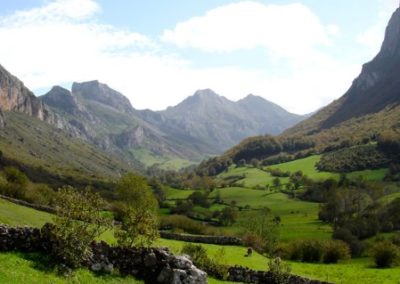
62,42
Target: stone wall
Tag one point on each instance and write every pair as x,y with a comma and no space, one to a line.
154,265
218,240
245,275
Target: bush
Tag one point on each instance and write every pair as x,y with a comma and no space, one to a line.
183,223
329,251
335,251
215,266
385,254
254,241
279,270
138,212
79,220
356,246
312,251
16,184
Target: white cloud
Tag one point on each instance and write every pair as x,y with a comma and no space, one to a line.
61,42
287,30
372,37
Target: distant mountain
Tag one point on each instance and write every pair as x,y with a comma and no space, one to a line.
202,125
105,117
217,123
372,102
31,137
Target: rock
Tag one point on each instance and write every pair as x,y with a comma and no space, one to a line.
96,267
150,259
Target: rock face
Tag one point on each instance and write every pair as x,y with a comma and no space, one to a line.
2,122
101,93
378,85
14,96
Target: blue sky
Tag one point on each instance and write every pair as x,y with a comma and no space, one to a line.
300,54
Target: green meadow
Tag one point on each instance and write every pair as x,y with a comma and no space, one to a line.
30,271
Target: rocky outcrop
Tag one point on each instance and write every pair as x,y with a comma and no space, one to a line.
103,94
62,99
2,122
154,265
14,96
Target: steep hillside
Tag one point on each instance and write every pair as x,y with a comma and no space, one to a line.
374,95
218,123
48,154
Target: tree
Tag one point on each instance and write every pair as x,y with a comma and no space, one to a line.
228,216
138,212
261,225
277,183
79,220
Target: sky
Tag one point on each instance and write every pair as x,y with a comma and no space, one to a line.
299,54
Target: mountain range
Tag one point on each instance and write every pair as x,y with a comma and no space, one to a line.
202,125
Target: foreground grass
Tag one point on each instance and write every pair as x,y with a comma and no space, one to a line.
26,268
17,215
32,268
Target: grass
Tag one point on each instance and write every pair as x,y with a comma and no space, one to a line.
172,193
298,218
253,177
17,215
23,268
30,268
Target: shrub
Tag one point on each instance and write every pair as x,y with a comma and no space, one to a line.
330,251
183,223
79,220
385,254
138,212
356,246
215,266
280,270
335,251
254,241
16,184
312,251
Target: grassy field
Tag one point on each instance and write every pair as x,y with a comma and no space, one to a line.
25,268
172,193
30,268
298,218
253,177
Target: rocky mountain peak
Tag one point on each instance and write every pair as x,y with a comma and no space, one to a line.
61,98
14,96
391,45
103,94
378,85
